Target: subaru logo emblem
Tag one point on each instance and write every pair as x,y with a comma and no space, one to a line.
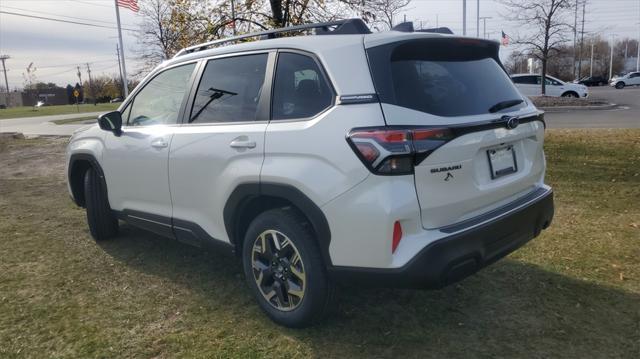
512,122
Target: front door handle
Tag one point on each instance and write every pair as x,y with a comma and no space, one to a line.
238,143
159,143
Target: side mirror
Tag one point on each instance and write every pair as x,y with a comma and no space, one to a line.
111,121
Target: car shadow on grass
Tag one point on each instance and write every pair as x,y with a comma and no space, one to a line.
510,309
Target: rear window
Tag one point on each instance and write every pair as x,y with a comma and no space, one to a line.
443,77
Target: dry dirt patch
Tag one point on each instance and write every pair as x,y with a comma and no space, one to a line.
40,157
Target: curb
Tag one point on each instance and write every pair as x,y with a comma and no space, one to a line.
589,108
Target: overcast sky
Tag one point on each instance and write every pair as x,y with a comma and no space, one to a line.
57,48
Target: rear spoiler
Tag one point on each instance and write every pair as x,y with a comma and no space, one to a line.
408,27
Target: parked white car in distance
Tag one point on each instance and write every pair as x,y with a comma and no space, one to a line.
530,85
630,79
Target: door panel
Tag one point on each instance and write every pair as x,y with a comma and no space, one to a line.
206,165
136,162
221,145
136,169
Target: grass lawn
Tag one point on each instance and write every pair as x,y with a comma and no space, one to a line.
573,292
28,111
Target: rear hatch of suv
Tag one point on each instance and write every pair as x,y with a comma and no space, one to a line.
477,143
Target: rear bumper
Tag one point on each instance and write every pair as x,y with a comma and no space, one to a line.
455,257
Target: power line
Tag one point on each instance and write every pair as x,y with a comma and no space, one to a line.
64,16
90,3
67,65
61,20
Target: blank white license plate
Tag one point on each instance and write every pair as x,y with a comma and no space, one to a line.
502,161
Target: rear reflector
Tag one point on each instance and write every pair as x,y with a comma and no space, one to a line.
397,236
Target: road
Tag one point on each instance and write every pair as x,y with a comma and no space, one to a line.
41,125
625,115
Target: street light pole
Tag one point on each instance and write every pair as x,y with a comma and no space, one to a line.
477,18
591,62
484,25
125,87
611,58
464,17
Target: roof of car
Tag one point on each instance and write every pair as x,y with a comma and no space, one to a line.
311,43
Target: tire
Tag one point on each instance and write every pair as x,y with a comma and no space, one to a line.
600,83
620,85
570,94
274,273
103,224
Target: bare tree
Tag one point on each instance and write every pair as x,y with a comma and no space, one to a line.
549,24
169,25
157,38
382,12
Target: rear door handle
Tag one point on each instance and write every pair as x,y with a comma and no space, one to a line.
237,143
159,143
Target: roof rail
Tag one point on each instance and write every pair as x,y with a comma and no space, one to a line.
408,27
341,27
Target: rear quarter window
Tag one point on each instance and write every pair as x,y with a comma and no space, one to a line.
300,88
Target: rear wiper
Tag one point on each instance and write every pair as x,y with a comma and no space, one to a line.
505,104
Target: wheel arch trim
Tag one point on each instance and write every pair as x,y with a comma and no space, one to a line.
244,193
76,191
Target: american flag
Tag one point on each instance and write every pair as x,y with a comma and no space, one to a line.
505,39
129,4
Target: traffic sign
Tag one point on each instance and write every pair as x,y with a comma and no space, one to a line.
76,93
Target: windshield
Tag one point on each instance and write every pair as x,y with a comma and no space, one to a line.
443,77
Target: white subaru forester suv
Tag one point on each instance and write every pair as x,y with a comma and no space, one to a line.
403,158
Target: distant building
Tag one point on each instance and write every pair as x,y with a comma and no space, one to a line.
52,96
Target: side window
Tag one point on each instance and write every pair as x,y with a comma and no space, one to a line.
527,80
518,80
230,89
300,89
551,82
160,100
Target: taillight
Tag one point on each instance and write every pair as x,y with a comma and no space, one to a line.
395,151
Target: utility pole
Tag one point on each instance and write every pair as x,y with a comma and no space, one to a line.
91,85
478,18
484,25
575,37
3,58
591,62
464,17
584,4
